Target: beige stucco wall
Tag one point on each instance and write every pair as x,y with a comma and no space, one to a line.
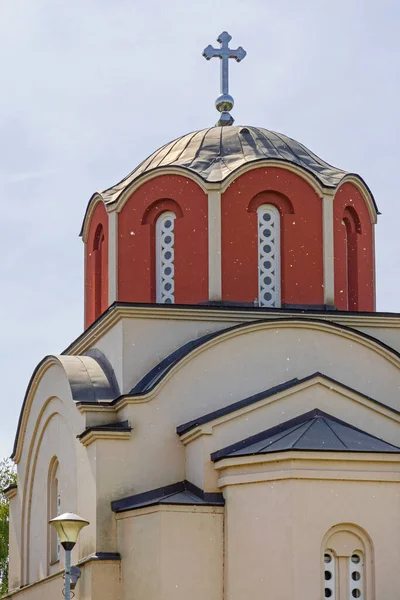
134,345
275,529
226,370
267,413
14,542
100,580
234,368
172,552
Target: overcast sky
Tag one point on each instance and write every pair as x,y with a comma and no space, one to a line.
89,88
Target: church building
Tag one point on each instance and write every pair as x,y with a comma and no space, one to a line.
229,420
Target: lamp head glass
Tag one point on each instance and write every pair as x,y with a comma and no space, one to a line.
68,527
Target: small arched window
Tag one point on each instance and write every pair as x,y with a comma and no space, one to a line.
98,251
347,564
54,505
269,271
165,258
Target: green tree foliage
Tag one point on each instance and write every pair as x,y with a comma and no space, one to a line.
8,476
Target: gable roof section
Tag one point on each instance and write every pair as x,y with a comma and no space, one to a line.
312,431
292,383
157,373
182,493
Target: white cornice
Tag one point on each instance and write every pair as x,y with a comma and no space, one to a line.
331,466
166,508
117,313
95,435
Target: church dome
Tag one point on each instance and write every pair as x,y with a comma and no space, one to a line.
215,153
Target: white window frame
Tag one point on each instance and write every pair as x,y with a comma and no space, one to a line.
269,278
165,259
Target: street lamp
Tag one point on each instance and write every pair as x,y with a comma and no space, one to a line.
68,527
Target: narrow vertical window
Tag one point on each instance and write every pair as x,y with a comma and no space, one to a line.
98,250
165,258
53,511
269,275
329,575
58,546
356,575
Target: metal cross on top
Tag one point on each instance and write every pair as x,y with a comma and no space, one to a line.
224,102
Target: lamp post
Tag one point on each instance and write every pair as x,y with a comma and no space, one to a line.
68,527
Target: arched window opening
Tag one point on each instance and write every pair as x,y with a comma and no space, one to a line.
165,258
54,506
269,272
347,564
352,227
98,251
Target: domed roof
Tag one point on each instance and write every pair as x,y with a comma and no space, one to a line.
215,153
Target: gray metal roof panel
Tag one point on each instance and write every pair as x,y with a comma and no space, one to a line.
312,431
216,152
182,493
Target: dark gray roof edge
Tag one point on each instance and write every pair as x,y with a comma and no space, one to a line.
118,426
97,556
293,316
292,383
133,179
224,452
185,427
12,486
158,495
249,162
157,373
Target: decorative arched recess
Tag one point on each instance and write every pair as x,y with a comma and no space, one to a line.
300,207
347,558
53,408
354,260
159,212
53,506
136,239
87,380
283,207
96,264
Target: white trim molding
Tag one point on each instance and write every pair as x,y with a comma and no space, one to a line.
112,257
328,249
214,246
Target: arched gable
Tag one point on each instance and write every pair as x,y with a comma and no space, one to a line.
83,377
136,240
353,250
301,234
267,353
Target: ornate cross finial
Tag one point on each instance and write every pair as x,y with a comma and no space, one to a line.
224,102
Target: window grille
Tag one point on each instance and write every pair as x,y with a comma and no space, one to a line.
356,575
165,258
269,276
329,575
